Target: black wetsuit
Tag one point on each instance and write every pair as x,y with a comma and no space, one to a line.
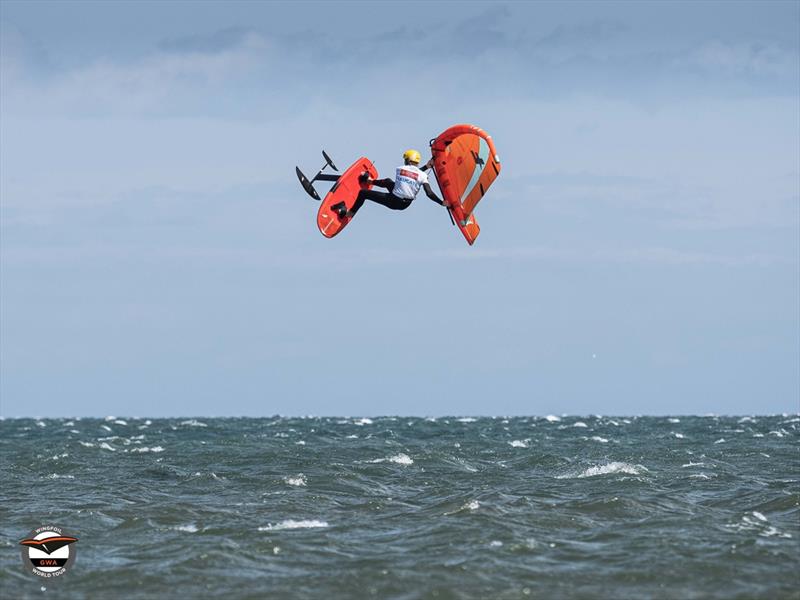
388,199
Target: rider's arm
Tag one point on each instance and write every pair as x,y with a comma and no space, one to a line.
431,194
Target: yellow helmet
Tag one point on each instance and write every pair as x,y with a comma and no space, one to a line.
412,156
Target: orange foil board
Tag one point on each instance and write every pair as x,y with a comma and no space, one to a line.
345,190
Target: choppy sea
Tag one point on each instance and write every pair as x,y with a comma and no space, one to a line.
538,507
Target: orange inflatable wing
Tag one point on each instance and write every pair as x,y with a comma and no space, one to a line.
465,164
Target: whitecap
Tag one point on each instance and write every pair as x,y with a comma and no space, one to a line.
602,440
519,443
120,422
758,435
193,423
720,441
693,464
86,444
579,424
612,468
292,524
552,419
146,449
759,523
673,420
297,481
106,428
495,544
352,437
190,528
107,446
466,419
772,532
57,476
363,421
400,459
680,436
41,424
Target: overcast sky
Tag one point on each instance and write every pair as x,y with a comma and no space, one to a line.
639,253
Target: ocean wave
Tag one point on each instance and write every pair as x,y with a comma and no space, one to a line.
297,481
470,506
400,459
146,449
756,522
292,524
612,468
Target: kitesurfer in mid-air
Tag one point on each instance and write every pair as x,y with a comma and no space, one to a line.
409,178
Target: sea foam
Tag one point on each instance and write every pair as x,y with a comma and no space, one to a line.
292,524
612,468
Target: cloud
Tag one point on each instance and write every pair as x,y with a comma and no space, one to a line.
582,36
157,83
744,58
211,43
482,32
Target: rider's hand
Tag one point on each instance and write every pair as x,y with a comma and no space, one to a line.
429,164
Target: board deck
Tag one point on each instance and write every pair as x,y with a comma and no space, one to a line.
344,190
